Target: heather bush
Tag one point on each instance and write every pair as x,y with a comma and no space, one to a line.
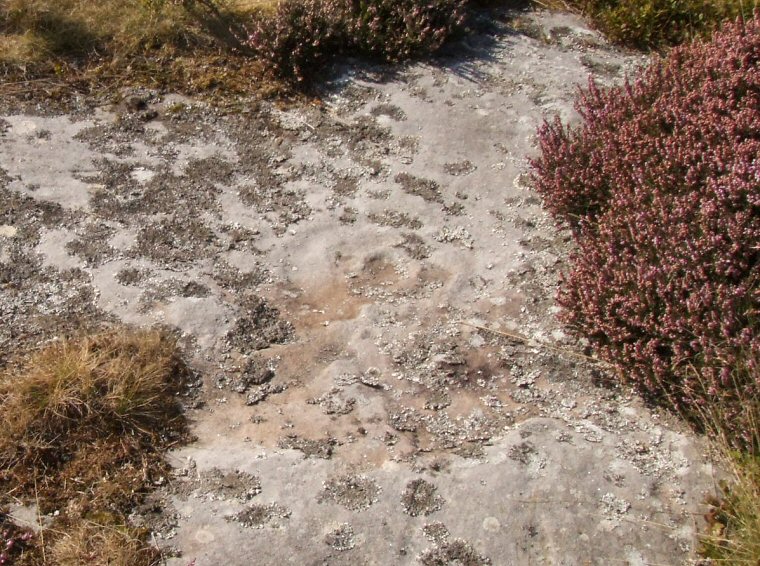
395,30
660,186
656,23
299,36
13,540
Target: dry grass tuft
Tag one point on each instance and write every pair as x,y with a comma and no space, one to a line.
732,536
120,28
83,424
79,27
94,47
93,543
78,393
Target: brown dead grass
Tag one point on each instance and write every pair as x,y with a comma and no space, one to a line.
83,425
97,544
732,536
53,48
70,28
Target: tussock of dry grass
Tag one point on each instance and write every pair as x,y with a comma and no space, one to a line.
83,424
732,536
80,391
93,543
60,28
733,532
78,27
189,46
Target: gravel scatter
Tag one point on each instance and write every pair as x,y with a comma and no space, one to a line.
258,516
427,189
257,371
354,492
395,219
334,403
458,168
436,532
522,452
341,538
457,552
259,326
216,484
421,498
310,448
260,393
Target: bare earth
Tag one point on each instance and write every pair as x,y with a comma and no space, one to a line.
332,269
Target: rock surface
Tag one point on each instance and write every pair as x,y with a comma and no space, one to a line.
366,285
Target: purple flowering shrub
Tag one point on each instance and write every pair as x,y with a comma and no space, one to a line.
394,30
660,186
13,540
300,36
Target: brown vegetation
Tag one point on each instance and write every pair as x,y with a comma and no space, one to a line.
653,24
83,426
